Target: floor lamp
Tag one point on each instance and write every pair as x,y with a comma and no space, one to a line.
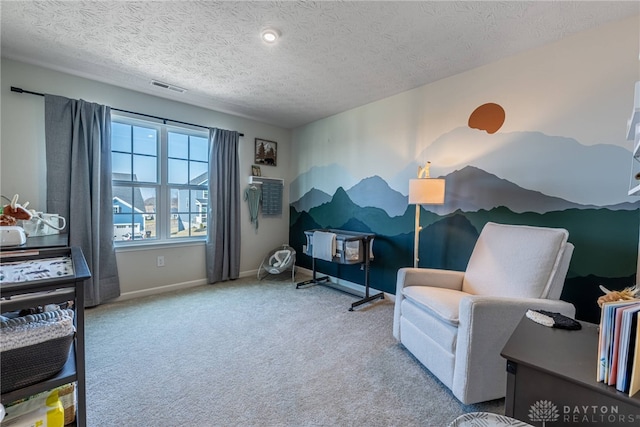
424,191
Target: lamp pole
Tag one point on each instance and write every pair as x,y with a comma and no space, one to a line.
416,237
424,191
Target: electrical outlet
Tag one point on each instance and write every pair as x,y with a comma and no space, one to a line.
160,261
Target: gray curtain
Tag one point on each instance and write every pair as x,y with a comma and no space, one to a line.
78,158
223,215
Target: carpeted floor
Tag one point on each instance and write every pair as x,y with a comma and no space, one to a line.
249,353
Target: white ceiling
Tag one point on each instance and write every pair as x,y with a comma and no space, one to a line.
331,57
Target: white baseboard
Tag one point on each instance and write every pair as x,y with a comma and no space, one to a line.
340,284
160,289
250,273
174,287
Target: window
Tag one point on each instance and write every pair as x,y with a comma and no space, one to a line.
160,178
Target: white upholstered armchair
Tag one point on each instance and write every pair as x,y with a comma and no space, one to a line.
456,323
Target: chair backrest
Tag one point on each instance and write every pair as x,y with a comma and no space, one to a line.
518,261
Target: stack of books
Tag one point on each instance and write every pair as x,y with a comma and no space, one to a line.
619,346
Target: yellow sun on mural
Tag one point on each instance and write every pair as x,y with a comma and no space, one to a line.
488,117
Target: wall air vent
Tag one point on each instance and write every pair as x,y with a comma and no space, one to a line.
167,86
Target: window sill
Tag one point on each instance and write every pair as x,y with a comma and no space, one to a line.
142,246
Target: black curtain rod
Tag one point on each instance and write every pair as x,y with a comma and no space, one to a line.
19,90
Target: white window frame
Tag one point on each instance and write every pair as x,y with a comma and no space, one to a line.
163,213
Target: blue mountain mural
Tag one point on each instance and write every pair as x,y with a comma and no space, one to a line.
469,189
375,192
311,199
601,178
324,178
605,254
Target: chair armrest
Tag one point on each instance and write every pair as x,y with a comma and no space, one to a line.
486,323
409,276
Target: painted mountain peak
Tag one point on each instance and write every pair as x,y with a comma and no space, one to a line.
323,178
374,191
311,199
469,189
588,175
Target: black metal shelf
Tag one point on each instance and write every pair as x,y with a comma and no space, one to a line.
21,295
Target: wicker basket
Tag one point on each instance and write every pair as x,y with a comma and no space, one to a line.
24,366
67,395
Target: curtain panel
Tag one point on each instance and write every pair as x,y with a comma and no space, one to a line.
78,159
223,216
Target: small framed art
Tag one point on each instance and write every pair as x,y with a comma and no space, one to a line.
266,152
255,170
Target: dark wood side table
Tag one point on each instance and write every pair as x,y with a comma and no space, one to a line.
551,379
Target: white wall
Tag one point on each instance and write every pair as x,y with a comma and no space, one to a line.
23,169
580,87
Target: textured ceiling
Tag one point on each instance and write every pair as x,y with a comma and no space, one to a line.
332,56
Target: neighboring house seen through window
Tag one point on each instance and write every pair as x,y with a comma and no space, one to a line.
160,178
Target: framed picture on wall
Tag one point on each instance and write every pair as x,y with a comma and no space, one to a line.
255,170
266,152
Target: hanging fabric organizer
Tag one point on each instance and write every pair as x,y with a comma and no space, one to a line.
272,198
264,196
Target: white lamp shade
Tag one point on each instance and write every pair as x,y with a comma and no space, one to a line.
426,191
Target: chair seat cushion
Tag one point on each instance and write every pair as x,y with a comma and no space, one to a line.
441,302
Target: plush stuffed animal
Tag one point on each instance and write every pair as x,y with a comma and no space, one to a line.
7,220
17,211
623,295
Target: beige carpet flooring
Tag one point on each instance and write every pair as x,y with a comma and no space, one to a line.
257,353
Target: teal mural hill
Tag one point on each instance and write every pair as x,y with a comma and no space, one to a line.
583,293
606,241
605,238
447,243
606,250
468,189
341,209
302,223
312,198
294,214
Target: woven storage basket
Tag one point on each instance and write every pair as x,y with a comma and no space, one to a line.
67,395
24,366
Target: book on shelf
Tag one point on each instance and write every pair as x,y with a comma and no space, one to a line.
626,351
619,346
635,375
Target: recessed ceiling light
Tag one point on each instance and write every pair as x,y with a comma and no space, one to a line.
270,35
